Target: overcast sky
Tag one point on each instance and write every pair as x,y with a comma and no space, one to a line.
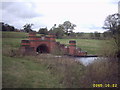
88,15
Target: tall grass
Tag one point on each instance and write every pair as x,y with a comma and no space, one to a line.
103,71
23,73
64,71
67,70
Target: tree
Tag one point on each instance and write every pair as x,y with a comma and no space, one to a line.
58,31
6,27
112,23
107,35
43,31
91,35
68,27
3,27
97,35
27,27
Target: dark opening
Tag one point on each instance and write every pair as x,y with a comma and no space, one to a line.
42,49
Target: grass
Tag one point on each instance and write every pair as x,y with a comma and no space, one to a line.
23,73
92,46
41,72
101,72
12,42
14,35
51,72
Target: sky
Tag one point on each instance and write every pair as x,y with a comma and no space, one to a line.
87,15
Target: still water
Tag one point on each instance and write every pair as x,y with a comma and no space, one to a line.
86,60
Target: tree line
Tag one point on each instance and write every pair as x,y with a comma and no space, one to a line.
65,30
7,27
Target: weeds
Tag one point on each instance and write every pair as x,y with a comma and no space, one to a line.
102,71
65,69
72,74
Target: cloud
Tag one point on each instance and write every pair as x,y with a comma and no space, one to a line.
91,26
20,13
113,1
20,9
87,15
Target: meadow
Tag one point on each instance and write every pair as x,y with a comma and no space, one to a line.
47,71
92,46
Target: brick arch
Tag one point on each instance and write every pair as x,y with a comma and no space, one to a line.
42,48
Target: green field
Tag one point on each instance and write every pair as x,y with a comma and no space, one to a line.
14,35
92,46
13,39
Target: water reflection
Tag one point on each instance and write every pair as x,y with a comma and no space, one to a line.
86,60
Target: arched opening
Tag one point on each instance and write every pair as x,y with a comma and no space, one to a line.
42,49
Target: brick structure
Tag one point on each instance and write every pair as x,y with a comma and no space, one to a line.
47,44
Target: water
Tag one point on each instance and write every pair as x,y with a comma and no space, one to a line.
86,60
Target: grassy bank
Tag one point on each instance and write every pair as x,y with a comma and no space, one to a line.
41,72
47,71
23,73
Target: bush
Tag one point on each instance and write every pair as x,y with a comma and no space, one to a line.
108,48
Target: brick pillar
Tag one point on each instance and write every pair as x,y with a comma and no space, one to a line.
32,35
51,37
25,43
72,47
